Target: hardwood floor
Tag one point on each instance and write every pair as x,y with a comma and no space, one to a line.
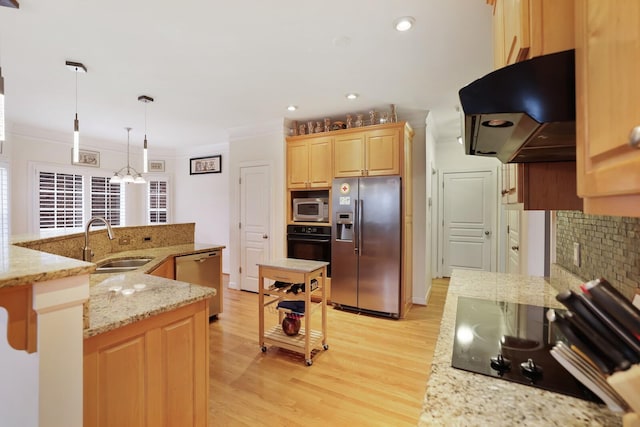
374,373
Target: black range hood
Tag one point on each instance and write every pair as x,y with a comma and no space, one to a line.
525,112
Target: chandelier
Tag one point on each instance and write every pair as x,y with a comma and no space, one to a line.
132,175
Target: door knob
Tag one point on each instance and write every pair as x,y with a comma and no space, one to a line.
264,236
634,137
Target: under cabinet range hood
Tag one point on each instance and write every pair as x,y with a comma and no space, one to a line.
525,112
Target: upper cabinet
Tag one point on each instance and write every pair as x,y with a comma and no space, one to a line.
608,111
309,162
368,152
523,29
540,186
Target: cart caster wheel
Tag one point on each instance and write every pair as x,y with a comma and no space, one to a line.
326,346
264,349
309,362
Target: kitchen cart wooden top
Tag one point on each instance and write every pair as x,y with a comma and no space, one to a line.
294,264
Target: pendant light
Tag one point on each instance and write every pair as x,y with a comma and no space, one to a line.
145,158
132,175
76,67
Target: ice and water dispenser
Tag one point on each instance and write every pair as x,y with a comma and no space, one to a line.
344,224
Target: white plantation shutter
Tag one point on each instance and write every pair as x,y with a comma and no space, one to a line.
60,200
158,201
107,200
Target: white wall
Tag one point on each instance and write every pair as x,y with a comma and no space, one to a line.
19,384
204,198
264,144
24,151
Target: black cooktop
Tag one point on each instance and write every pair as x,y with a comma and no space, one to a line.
511,341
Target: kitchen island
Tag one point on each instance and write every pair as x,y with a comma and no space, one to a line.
459,398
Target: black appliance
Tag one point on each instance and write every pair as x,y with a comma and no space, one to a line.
525,112
512,342
310,242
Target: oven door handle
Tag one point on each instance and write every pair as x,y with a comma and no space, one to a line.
306,240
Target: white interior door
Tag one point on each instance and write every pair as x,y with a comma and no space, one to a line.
513,241
468,204
255,206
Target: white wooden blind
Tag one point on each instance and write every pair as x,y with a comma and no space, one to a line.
107,200
60,200
158,202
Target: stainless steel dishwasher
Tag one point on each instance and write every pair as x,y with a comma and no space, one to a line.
203,269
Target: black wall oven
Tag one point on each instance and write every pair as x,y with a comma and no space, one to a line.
309,242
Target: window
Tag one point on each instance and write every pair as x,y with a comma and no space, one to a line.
107,200
61,201
158,201
67,199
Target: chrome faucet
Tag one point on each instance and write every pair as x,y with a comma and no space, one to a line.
87,254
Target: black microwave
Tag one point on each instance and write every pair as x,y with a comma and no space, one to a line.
311,210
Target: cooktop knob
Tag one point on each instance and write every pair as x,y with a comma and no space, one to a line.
531,370
500,364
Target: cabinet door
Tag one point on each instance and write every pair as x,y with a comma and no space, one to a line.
382,152
114,383
516,30
607,89
297,164
320,162
348,155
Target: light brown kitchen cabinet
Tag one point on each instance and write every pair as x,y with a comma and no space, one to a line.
540,186
368,152
309,162
166,269
523,29
608,112
154,372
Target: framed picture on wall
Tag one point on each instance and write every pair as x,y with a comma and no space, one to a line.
209,164
87,158
156,165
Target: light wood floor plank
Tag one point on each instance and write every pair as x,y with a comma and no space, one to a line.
374,373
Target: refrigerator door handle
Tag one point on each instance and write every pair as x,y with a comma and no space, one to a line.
360,207
356,239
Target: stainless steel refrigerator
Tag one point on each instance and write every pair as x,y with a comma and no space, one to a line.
366,244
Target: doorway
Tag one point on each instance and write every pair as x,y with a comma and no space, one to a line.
255,232
468,211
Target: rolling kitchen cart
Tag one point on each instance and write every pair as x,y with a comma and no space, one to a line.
293,271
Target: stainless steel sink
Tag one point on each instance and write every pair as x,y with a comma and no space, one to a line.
121,265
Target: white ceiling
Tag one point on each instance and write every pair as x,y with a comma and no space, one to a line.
217,65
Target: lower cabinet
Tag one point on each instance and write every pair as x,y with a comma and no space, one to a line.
166,269
151,373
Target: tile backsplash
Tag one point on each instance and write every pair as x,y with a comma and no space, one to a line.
609,246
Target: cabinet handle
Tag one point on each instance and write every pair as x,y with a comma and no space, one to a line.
515,248
634,137
505,192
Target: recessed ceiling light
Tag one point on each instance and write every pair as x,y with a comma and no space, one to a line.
404,23
292,108
351,95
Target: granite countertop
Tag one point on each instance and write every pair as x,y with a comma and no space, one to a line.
110,310
21,266
459,398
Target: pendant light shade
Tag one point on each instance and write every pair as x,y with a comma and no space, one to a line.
145,157
131,175
76,67
1,107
